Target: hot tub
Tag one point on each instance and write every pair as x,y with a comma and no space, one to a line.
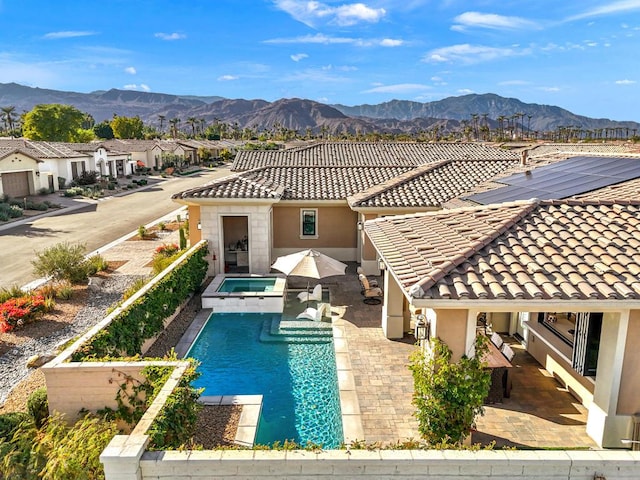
245,293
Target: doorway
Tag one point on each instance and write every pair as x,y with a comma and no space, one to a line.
235,234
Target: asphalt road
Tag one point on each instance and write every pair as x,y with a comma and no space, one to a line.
93,225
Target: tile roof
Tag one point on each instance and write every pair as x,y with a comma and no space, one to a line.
234,186
41,149
372,154
547,250
622,191
430,185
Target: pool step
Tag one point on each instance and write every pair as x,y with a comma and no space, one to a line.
275,330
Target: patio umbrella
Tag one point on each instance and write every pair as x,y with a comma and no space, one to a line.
310,264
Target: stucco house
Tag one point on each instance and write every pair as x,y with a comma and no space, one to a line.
562,275
20,173
318,197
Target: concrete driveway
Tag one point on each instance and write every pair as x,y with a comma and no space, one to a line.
93,224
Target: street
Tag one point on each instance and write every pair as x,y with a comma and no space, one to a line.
93,225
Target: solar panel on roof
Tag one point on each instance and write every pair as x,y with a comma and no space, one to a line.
562,179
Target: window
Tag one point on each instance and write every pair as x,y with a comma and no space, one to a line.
309,223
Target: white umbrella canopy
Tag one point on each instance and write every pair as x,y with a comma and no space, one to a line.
309,263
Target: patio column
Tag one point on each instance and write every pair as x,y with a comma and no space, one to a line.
451,327
392,314
603,424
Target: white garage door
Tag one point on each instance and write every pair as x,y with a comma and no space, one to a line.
16,184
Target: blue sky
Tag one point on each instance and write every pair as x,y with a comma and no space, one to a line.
582,56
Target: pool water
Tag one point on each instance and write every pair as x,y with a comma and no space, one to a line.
234,285
296,376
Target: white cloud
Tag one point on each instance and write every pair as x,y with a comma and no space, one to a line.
318,38
466,53
312,13
399,88
170,36
550,89
67,34
299,56
465,91
491,21
614,7
227,78
625,82
390,42
130,70
132,86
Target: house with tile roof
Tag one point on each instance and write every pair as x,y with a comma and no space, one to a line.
563,275
319,196
20,174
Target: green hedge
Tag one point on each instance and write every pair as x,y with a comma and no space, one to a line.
144,318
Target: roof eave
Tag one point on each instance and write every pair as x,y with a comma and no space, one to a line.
527,305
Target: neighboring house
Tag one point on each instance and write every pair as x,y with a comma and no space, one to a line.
20,174
318,197
107,161
562,275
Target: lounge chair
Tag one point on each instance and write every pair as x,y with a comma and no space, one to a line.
311,313
371,294
508,352
496,339
314,295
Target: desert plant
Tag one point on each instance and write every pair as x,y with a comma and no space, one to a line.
449,396
18,311
65,291
183,239
63,261
167,249
161,262
13,291
162,226
88,177
97,263
38,406
142,231
44,191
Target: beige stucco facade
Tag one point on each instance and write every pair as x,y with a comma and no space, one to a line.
17,163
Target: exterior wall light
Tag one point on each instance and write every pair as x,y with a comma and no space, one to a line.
422,329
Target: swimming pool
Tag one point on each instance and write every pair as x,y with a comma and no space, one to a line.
293,367
235,285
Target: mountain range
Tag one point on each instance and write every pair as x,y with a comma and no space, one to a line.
396,116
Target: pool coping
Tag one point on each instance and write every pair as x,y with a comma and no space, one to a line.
279,288
352,428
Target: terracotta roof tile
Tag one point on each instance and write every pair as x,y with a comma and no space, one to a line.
532,250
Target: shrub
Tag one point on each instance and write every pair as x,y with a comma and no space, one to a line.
4,216
160,261
61,182
65,291
74,192
96,263
111,186
12,292
57,451
19,311
38,406
142,231
44,191
88,177
448,396
167,249
162,226
63,261
9,422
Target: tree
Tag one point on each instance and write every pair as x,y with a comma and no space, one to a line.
103,130
52,122
127,127
448,396
162,118
7,116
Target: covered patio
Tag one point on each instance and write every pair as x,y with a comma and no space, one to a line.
539,413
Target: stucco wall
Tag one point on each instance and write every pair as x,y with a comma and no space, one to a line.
195,234
337,228
629,399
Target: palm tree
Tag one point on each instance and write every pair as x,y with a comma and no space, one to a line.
162,119
7,116
174,126
192,121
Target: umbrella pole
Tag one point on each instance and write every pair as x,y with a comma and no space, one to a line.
307,293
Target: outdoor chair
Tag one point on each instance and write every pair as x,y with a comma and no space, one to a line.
311,313
496,340
314,295
508,352
372,281
371,294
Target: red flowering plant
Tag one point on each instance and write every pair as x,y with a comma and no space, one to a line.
18,311
167,249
